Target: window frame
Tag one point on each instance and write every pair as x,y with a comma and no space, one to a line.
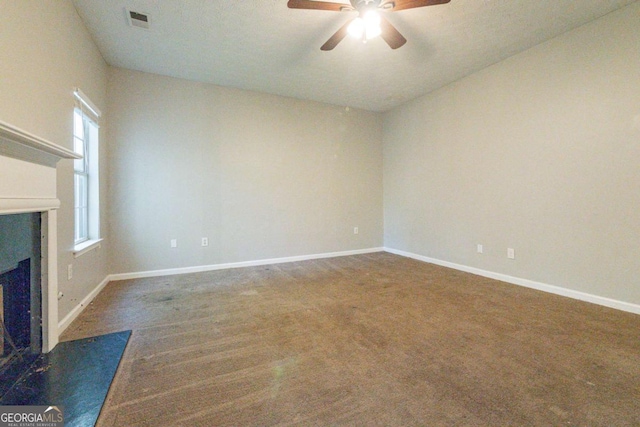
86,180
81,174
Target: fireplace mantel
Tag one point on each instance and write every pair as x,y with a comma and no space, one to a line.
28,176
19,144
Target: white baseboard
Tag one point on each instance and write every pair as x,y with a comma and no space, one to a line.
582,296
75,312
199,269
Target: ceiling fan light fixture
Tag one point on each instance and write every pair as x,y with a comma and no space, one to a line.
372,24
366,27
356,28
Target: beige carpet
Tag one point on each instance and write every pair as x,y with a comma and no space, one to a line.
370,340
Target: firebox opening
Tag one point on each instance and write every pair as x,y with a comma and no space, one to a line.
20,290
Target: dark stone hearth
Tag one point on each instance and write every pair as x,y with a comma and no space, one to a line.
75,375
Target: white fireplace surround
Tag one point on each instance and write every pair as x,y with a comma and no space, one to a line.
28,184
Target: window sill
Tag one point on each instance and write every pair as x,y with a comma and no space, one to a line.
84,247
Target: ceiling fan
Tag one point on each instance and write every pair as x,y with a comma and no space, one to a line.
369,23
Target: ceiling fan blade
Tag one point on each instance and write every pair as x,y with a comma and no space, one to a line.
336,37
318,5
392,36
411,4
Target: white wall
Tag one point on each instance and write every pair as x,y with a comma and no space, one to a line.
540,153
260,176
46,52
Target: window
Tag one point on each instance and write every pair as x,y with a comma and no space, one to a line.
86,176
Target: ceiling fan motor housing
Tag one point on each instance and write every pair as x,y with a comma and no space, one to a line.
363,5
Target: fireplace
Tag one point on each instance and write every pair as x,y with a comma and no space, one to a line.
28,187
20,288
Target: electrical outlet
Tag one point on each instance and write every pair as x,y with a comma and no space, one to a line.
205,241
174,243
70,272
511,253
480,249
355,230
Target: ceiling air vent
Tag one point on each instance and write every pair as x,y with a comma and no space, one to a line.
138,19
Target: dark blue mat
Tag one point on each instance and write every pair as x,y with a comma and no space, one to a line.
75,375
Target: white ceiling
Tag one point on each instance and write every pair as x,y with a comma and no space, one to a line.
261,45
